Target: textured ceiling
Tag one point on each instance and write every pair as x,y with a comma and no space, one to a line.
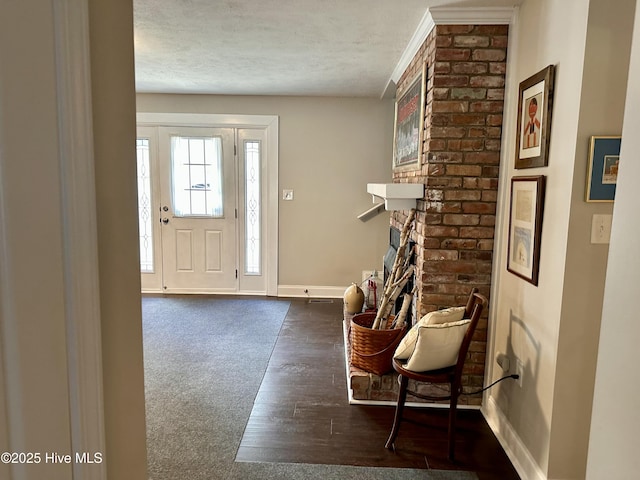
273,47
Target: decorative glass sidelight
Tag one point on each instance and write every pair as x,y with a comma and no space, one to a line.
196,173
145,216
253,218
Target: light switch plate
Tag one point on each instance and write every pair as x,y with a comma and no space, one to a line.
600,228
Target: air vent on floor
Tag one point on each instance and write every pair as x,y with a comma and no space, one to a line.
321,300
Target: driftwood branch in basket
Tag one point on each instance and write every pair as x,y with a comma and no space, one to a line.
398,277
386,310
401,319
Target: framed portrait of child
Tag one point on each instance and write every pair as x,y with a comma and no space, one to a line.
534,119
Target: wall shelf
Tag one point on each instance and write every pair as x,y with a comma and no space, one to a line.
372,212
396,196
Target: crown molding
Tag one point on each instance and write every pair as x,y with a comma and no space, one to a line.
419,36
472,16
448,16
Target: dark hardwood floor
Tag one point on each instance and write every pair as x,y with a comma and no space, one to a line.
302,415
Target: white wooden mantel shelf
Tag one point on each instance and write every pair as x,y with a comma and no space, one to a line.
396,196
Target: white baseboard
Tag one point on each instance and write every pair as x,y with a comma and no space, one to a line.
520,457
311,291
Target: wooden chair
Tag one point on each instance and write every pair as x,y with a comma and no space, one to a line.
451,375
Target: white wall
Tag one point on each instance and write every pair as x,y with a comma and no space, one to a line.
330,148
114,122
525,319
31,252
553,328
35,290
601,113
616,419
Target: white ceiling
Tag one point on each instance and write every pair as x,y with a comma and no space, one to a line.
275,47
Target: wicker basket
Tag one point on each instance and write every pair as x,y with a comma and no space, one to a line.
372,350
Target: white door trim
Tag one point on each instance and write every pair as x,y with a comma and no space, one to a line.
271,124
80,235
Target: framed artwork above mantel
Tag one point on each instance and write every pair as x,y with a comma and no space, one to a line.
409,124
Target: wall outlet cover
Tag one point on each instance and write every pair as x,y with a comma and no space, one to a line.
287,194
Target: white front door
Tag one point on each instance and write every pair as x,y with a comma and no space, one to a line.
207,203
198,210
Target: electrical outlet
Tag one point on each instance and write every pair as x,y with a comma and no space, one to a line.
519,371
287,194
367,273
504,362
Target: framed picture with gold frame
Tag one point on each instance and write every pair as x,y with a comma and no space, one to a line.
525,227
409,124
602,176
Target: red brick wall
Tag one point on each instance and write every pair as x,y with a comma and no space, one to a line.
455,221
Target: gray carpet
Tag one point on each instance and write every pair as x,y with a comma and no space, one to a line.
301,471
204,361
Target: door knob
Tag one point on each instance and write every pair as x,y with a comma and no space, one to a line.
165,220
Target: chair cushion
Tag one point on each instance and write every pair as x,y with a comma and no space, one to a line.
408,343
437,346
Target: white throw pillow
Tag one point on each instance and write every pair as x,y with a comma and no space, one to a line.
437,346
446,315
408,343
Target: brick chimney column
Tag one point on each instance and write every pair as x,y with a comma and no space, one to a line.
454,232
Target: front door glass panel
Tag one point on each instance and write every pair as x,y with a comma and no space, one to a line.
144,206
196,167
253,218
